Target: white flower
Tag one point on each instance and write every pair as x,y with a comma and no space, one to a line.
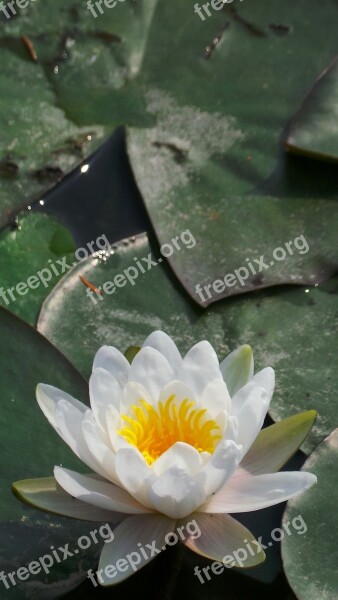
172,439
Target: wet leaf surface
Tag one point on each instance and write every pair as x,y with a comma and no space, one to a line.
309,558
280,325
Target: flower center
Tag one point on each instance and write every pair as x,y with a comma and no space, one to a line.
154,430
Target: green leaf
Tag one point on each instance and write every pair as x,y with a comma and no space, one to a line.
48,131
31,448
241,243
46,495
25,253
36,133
280,326
216,146
33,360
62,242
276,444
131,352
309,554
313,129
237,368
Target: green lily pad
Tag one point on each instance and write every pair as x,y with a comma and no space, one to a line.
313,130
25,252
213,159
49,130
309,554
241,242
279,325
30,448
39,144
213,124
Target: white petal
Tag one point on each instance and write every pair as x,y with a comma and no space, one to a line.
119,442
152,370
132,394
220,467
200,366
204,457
238,368
48,397
220,537
113,361
180,454
129,537
250,406
164,344
114,424
104,391
69,422
216,398
266,379
245,494
97,447
134,473
97,492
175,493
178,389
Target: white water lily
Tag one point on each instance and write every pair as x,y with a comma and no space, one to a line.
171,439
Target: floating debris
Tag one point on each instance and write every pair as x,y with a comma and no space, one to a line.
49,173
250,27
105,36
29,45
179,154
67,41
76,144
90,285
279,29
8,167
210,49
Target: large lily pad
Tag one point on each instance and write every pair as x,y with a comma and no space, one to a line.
30,448
242,243
215,146
38,243
48,131
313,130
309,555
79,324
38,142
25,251
216,120
209,145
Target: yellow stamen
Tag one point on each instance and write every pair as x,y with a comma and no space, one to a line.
154,430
